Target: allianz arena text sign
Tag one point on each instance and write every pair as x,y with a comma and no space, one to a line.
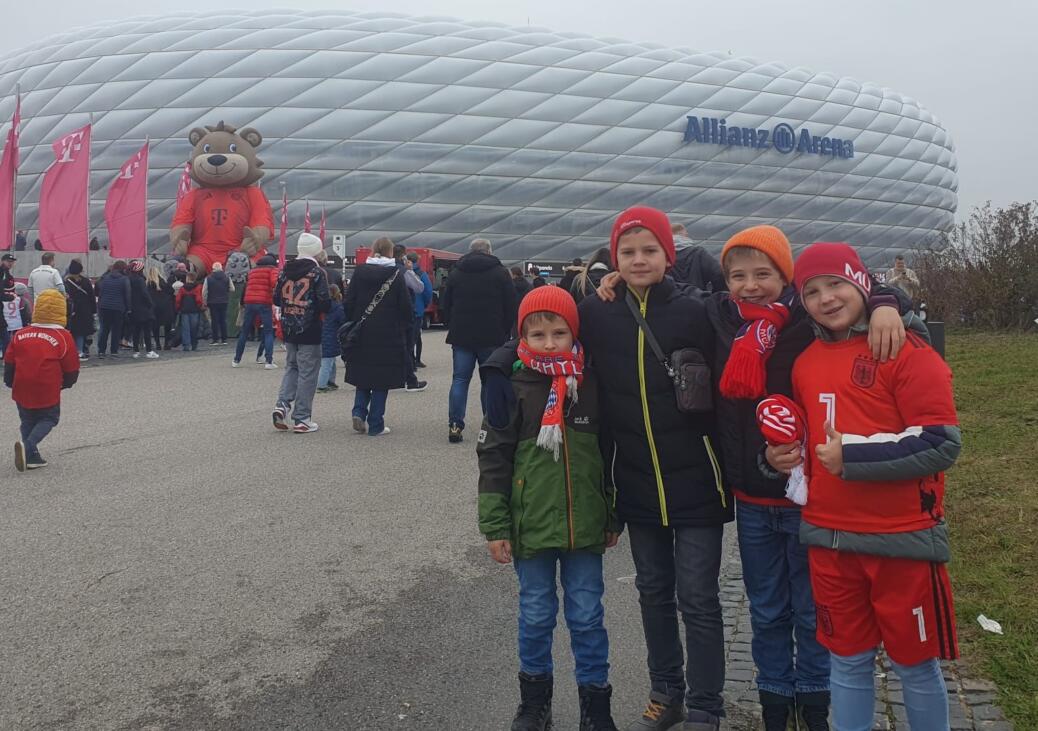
781,138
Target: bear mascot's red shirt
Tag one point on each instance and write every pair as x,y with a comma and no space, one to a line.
217,217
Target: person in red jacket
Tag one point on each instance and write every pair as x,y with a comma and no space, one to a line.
190,305
258,299
41,360
879,437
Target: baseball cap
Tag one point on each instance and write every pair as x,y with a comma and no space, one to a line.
8,257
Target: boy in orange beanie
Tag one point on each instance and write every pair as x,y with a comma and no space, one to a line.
41,360
549,449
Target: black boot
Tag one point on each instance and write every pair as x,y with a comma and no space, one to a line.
813,710
534,712
776,710
594,708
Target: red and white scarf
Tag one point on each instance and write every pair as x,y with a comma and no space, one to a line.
745,374
567,372
782,421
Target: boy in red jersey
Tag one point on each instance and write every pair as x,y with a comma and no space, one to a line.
41,360
880,436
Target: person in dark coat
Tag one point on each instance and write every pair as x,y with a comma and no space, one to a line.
695,265
522,284
113,304
84,306
217,295
379,362
162,302
142,312
585,283
479,307
20,241
570,273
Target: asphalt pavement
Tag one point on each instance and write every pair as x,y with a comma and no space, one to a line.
181,565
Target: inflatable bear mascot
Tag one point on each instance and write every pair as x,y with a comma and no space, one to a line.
227,212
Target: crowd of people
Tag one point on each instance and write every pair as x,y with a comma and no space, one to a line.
654,390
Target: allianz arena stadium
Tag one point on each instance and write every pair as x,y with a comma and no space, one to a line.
433,130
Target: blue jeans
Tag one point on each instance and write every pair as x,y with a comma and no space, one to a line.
854,693
464,364
582,587
778,585
267,323
189,330
370,406
36,424
327,374
677,573
111,325
80,343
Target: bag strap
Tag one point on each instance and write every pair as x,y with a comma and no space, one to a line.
379,295
653,343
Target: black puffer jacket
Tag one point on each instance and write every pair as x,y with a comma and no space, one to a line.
664,464
141,307
479,302
696,266
380,359
741,440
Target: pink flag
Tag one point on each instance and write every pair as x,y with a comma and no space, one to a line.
126,210
306,218
283,234
185,183
8,173
321,233
65,197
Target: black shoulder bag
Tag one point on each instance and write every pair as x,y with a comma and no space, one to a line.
350,332
687,367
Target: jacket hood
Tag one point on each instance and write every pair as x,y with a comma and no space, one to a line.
299,267
477,261
190,285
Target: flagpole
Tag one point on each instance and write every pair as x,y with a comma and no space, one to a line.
147,163
14,172
90,120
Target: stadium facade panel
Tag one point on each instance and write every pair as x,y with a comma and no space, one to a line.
433,130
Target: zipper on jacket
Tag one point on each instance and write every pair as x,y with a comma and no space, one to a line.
569,488
718,482
642,305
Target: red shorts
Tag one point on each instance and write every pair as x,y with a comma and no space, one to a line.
862,601
210,257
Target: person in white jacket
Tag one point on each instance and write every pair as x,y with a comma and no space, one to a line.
45,277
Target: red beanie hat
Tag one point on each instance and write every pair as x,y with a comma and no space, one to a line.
550,299
832,260
642,216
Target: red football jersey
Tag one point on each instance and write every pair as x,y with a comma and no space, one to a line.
218,215
874,406
41,356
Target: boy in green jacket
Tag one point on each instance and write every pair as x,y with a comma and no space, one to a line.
543,501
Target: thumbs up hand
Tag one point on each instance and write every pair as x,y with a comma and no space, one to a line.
830,454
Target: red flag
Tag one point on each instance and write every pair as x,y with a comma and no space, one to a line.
321,233
126,210
8,173
306,218
283,234
185,183
65,197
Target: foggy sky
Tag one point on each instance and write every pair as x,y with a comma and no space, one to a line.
973,64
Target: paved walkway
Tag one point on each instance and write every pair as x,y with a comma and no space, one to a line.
971,703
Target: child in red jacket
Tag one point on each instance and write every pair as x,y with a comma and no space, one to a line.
879,437
41,360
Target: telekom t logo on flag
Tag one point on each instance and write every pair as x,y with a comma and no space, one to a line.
70,145
131,166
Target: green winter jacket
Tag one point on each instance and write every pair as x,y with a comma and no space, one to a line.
527,497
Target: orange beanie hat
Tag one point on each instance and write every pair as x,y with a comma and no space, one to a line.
550,299
768,240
